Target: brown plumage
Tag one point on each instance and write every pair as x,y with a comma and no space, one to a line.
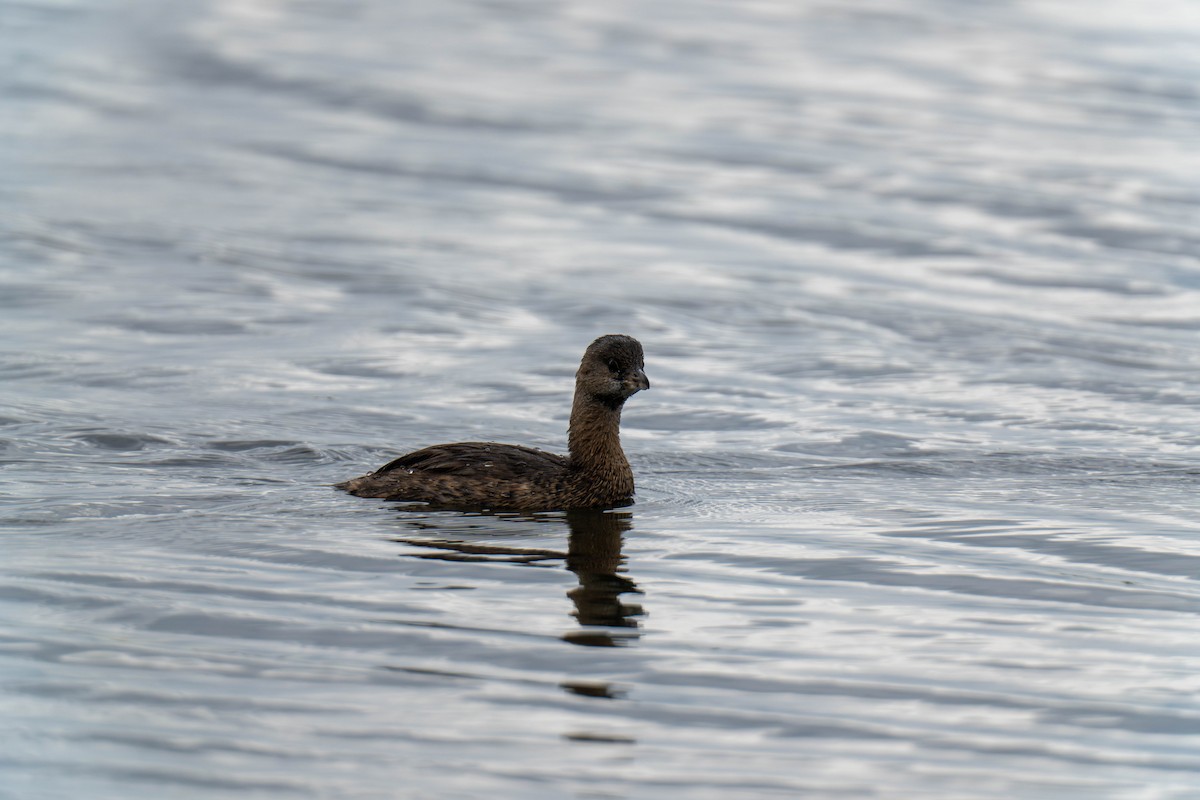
486,475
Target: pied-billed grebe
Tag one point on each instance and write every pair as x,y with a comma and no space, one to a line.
477,475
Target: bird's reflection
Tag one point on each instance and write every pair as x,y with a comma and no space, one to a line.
593,554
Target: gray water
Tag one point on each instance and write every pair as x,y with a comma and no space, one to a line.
919,288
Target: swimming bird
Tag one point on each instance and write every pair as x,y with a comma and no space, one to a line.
487,475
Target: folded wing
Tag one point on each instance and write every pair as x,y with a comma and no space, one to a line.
476,460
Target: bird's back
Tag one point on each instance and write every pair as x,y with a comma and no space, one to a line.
470,474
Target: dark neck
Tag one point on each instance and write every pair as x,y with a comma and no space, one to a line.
594,438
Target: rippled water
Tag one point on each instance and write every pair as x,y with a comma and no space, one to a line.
919,289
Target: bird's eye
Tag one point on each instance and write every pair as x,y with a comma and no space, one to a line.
612,365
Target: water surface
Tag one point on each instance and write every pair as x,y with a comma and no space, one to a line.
917,478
